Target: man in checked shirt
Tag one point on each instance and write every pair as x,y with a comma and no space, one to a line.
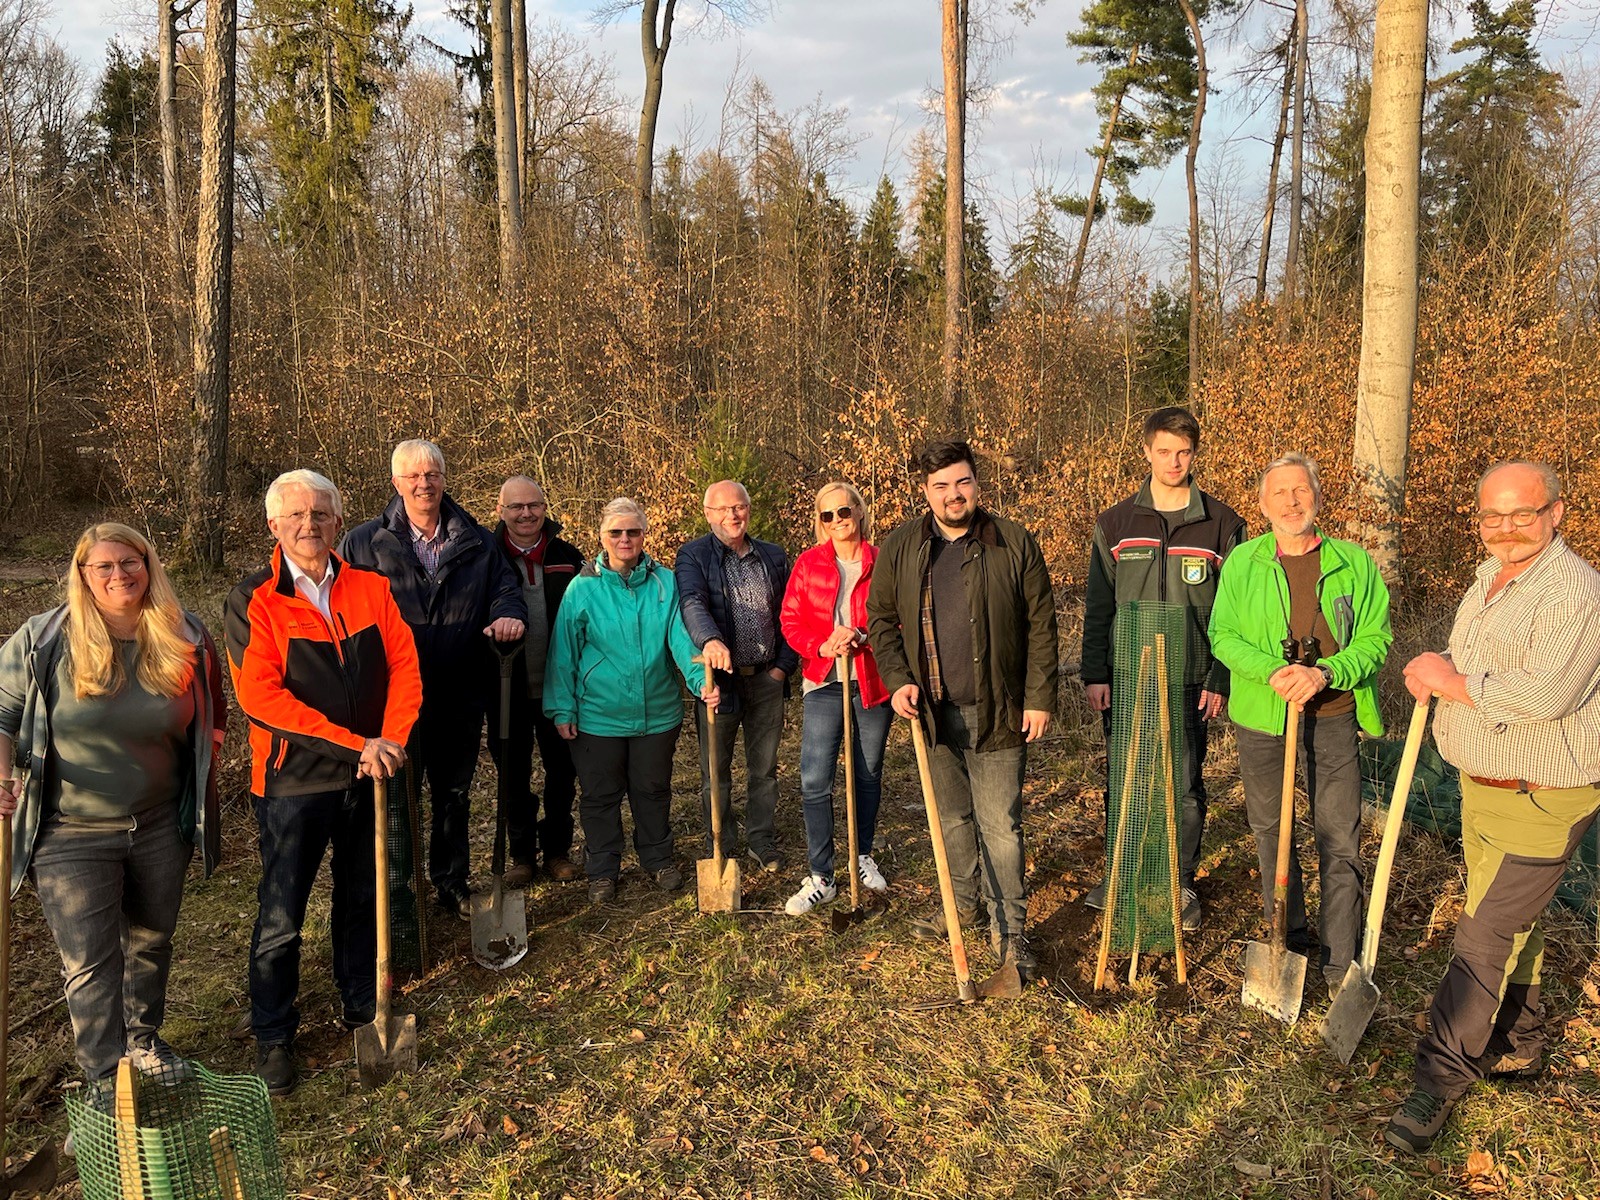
1519,715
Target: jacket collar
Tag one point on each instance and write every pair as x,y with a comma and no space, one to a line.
284,578
983,529
552,530
452,519
597,567
1195,511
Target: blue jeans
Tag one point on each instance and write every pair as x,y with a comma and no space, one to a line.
295,832
979,794
110,891
822,732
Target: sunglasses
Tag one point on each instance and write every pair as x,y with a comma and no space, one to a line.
630,534
843,513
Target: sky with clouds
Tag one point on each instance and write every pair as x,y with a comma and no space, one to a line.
879,61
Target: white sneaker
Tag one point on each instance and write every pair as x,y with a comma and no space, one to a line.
871,877
814,891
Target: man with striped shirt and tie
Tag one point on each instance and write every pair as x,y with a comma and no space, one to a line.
1519,715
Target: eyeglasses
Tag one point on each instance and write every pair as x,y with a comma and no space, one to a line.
104,570
616,534
1520,518
843,513
417,477
530,506
723,510
316,516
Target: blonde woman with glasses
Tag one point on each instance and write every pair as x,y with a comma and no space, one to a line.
112,704
824,618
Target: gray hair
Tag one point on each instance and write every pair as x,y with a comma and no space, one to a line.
318,485
743,491
413,449
621,506
1293,459
1546,473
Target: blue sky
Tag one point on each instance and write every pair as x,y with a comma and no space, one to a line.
878,60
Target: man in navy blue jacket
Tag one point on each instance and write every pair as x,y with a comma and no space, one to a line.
456,591
730,588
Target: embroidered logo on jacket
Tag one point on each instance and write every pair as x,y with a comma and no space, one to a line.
1195,570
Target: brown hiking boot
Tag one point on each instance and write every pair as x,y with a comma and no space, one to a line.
1418,1121
518,875
561,868
933,929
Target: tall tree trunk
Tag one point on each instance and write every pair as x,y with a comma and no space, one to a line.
1263,260
213,291
519,68
327,127
955,200
1389,283
1302,45
178,295
654,48
1094,188
505,147
1194,196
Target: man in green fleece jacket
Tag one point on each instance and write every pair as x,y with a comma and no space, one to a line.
1303,620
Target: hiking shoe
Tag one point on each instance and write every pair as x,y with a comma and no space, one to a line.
669,878
161,1061
1193,915
561,868
455,902
518,875
1512,1066
871,877
1096,899
1017,951
602,891
1418,1122
814,891
767,860
354,1018
275,1065
933,929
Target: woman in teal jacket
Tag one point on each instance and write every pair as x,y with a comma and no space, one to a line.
611,690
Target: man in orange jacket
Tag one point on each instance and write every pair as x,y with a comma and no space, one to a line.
326,670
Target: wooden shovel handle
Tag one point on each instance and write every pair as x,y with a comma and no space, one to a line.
1114,879
1391,836
1280,884
1170,797
941,860
850,787
711,768
380,862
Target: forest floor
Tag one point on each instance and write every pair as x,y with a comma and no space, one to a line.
643,1050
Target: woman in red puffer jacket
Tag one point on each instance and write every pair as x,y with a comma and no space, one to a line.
824,618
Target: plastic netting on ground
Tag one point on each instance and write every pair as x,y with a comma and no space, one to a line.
1435,805
198,1136
1145,758
408,930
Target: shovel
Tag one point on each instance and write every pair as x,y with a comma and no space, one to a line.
500,917
1357,1000
1274,976
717,876
841,921
1004,984
37,1172
388,1046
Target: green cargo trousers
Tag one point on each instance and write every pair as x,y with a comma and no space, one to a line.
1516,845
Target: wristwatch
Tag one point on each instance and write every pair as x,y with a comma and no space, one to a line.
1327,675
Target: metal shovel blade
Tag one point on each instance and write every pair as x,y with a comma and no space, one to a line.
1350,1013
33,1176
1274,981
720,891
499,927
1004,984
386,1048
842,919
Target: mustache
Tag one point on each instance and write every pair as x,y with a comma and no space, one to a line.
1510,539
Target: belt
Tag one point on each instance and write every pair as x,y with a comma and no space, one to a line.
755,670
1510,785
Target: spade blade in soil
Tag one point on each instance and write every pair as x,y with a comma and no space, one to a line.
1274,981
1350,1013
720,891
1004,984
33,1176
386,1048
499,927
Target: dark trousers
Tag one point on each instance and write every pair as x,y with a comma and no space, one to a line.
639,768
1333,782
444,745
110,891
1516,846
761,716
295,832
528,834
1192,779
979,795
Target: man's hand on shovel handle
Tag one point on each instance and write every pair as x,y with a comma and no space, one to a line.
904,701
